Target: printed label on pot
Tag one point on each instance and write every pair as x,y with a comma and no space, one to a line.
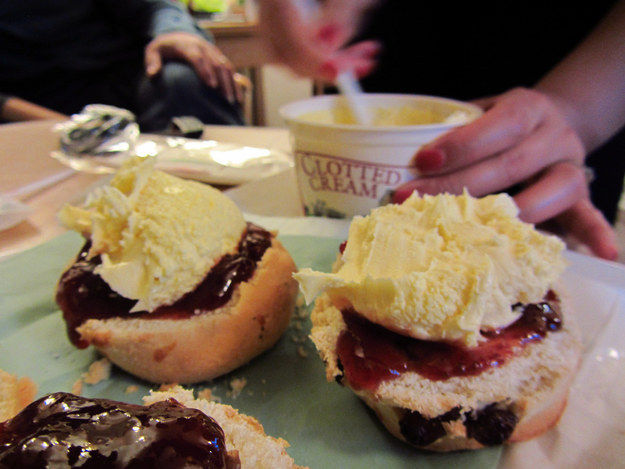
340,187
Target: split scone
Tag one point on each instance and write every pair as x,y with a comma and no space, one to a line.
172,284
173,430
444,315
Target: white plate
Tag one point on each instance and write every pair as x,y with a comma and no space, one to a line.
203,160
591,433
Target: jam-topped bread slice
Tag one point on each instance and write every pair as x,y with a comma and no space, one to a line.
174,430
240,310
64,430
443,397
444,315
172,284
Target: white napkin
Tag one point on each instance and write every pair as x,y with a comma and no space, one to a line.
12,212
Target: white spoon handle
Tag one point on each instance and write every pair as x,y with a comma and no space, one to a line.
350,88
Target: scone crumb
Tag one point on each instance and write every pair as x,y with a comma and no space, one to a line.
208,394
298,339
77,387
300,302
98,371
302,352
236,386
132,388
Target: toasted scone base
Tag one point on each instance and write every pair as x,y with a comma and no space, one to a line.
210,343
243,434
534,385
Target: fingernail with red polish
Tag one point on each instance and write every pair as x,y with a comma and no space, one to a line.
400,194
429,160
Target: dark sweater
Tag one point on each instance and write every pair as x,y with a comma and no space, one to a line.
46,38
472,49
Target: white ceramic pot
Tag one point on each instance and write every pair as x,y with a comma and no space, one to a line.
345,169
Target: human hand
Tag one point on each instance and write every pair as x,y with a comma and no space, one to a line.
586,224
522,138
207,60
312,45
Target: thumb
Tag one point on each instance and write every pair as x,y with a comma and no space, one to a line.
153,61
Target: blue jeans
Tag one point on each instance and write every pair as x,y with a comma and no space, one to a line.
178,91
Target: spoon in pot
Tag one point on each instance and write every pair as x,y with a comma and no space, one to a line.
352,92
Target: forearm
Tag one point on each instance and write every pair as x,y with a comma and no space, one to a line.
589,84
16,109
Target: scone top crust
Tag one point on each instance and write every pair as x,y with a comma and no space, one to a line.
157,235
441,267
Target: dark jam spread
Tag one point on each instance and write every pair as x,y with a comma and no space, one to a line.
83,295
370,354
64,430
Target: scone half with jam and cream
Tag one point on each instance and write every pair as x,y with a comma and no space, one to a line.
172,284
172,430
445,316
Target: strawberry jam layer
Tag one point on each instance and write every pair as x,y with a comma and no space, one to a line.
370,354
64,430
83,295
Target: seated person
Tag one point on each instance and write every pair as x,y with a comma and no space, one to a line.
147,56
